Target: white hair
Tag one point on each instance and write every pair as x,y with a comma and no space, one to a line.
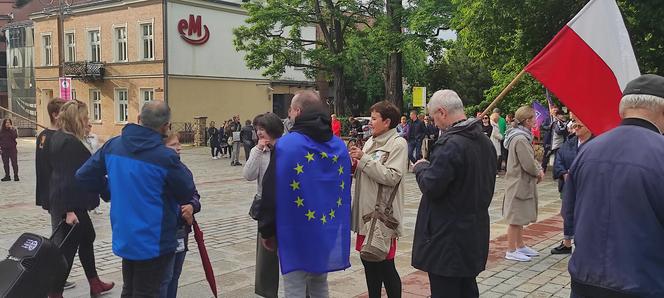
447,99
640,101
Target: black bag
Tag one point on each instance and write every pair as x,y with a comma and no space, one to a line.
33,264
255,207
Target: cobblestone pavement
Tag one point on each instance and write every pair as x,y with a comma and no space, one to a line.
231,238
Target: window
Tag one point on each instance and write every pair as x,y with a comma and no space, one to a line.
73,94
95,45
122,103
147,42
70,42
121,44
147,95
95,105
48,50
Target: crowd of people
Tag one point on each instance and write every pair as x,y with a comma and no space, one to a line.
610,188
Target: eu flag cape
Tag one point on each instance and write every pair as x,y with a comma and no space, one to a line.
313,204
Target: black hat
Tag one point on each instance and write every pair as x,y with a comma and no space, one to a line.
649,84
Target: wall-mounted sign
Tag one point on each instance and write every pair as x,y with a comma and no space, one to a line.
65,88
193,31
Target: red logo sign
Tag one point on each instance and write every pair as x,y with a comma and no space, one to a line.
192,31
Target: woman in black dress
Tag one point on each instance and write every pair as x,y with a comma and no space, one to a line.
68,151
213,137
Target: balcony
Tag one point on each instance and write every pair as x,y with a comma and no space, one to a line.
86,71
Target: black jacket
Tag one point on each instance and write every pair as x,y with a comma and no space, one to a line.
452,230
43,168
417,131
66,155
213,136
247,135
317,126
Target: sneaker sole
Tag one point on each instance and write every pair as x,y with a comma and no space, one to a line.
515,259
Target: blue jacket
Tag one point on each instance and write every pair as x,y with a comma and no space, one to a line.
564,158
616,195
147,183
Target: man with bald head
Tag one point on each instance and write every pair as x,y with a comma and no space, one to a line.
312,160
451,241
615,197
147,183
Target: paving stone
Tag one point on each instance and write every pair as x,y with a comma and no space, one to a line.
492,281
550,288
528,287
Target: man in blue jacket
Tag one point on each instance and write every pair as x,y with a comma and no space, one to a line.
616,196
147,183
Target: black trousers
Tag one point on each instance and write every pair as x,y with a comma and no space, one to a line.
10,154
81,240
453,287
379,274
142,279
247,150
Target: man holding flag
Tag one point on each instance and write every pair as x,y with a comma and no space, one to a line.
306,200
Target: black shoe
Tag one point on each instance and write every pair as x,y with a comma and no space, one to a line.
7,178
16,178
238,164
561,250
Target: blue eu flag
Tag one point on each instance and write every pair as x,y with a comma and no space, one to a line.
313,204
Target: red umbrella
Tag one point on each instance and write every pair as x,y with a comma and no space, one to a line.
207,266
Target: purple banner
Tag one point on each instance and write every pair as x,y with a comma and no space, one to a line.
541,113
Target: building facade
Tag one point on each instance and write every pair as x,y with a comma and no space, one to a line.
123,53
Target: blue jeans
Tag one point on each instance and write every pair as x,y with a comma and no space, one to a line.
415,146
169,285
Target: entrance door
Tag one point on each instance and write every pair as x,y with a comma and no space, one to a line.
280,104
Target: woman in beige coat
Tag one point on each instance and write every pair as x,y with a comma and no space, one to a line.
381,164
523,174
496,137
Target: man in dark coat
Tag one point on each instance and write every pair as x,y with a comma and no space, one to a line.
451,240
416,135
615,194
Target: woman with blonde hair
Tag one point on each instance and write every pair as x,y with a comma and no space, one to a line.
68,151
523,174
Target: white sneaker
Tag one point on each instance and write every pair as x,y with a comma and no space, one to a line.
517,256
528,251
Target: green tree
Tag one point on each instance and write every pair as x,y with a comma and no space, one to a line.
273,38
507,34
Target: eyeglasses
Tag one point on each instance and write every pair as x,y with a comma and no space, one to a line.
485,118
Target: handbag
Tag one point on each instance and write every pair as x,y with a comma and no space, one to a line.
382,227
256,203
255,207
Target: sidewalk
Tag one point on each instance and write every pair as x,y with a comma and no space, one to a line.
230,236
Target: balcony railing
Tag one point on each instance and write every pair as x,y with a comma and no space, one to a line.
85,70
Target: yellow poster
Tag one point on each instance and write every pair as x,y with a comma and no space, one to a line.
419,96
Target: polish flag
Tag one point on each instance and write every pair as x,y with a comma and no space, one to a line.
588,64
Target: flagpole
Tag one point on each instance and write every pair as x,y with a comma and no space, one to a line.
504,92
26,119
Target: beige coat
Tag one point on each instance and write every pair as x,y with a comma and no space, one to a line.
496,137
520,204
371,172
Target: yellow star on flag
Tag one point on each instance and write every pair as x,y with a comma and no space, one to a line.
311,215
310,157
295,185
332,213
343,185
335,158
299,202
323,219
341,170
323,155
339,202
299,169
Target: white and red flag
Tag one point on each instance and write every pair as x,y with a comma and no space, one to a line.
588,64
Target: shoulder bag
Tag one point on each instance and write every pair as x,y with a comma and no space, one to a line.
382,227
